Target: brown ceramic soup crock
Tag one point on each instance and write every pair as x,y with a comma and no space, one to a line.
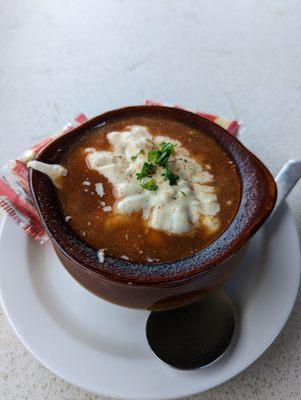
158,285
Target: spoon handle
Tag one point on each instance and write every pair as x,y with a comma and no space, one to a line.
286,179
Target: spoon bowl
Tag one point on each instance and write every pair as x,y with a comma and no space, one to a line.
195,335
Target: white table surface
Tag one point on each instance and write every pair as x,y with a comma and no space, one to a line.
240,59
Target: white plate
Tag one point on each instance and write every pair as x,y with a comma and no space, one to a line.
102,347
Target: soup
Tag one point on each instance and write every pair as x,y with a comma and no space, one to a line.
147,190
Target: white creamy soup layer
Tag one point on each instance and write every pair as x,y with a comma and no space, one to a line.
157,176
53,171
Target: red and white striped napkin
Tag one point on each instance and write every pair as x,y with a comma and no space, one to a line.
15,197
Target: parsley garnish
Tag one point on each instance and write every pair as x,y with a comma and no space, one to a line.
157,157
160,157
135,157
146,171
150,185
153,156
167,147
170,177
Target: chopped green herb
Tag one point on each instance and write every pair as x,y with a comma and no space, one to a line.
135,157
183,193
160,157
146,171
167,147
153,156
170,177
150,185
163,159
166,150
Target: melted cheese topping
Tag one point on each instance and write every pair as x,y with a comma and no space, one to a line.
53,171
101,256
175,209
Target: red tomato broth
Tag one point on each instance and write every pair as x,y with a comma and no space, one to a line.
128,235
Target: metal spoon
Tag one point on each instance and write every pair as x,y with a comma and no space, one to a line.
198,334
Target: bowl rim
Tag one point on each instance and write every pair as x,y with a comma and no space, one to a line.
257,201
